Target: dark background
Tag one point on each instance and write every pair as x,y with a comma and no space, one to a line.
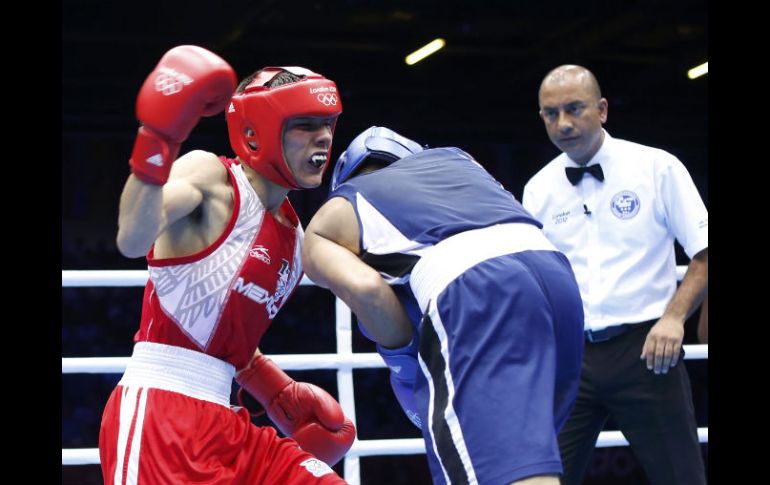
478,93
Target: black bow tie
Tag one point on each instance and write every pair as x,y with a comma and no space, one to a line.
575,174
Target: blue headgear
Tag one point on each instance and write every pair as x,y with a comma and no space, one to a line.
377,142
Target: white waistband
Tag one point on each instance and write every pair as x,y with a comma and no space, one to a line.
181,370
453,256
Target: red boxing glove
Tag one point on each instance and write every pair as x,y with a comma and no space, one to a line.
302,411
188,82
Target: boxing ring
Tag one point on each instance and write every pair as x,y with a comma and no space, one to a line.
344,361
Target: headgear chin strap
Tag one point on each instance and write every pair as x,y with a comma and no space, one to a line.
257,116
376,142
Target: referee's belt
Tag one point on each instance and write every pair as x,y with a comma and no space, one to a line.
608,333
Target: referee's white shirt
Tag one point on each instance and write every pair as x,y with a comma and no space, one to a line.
622,253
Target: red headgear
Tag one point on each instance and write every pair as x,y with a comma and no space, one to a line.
257,115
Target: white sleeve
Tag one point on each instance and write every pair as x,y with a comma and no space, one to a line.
686,213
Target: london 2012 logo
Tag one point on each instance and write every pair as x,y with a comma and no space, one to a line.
625,204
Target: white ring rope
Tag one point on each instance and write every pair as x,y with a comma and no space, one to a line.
360,360
344,361
138,277
119,277
401,446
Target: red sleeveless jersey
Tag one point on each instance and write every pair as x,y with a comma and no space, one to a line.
221,300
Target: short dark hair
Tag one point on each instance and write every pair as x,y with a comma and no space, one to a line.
283,77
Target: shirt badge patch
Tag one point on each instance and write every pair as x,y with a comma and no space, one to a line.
625,204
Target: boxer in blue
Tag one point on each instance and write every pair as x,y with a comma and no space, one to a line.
476,313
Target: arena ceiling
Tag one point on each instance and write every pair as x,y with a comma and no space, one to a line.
496,54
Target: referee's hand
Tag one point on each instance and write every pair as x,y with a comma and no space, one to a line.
663,344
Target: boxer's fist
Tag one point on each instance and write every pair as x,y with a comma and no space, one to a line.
188,82
302,411
404,366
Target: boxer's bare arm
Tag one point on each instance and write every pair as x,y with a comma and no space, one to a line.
148,211
330,259
167,118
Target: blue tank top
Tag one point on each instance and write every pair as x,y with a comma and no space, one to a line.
425,198
420,200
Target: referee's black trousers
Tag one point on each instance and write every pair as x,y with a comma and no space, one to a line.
654,412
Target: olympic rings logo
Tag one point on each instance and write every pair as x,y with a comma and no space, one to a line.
327,99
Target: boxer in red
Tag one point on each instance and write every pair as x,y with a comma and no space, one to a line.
223,247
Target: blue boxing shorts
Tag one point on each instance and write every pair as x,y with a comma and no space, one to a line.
501,344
